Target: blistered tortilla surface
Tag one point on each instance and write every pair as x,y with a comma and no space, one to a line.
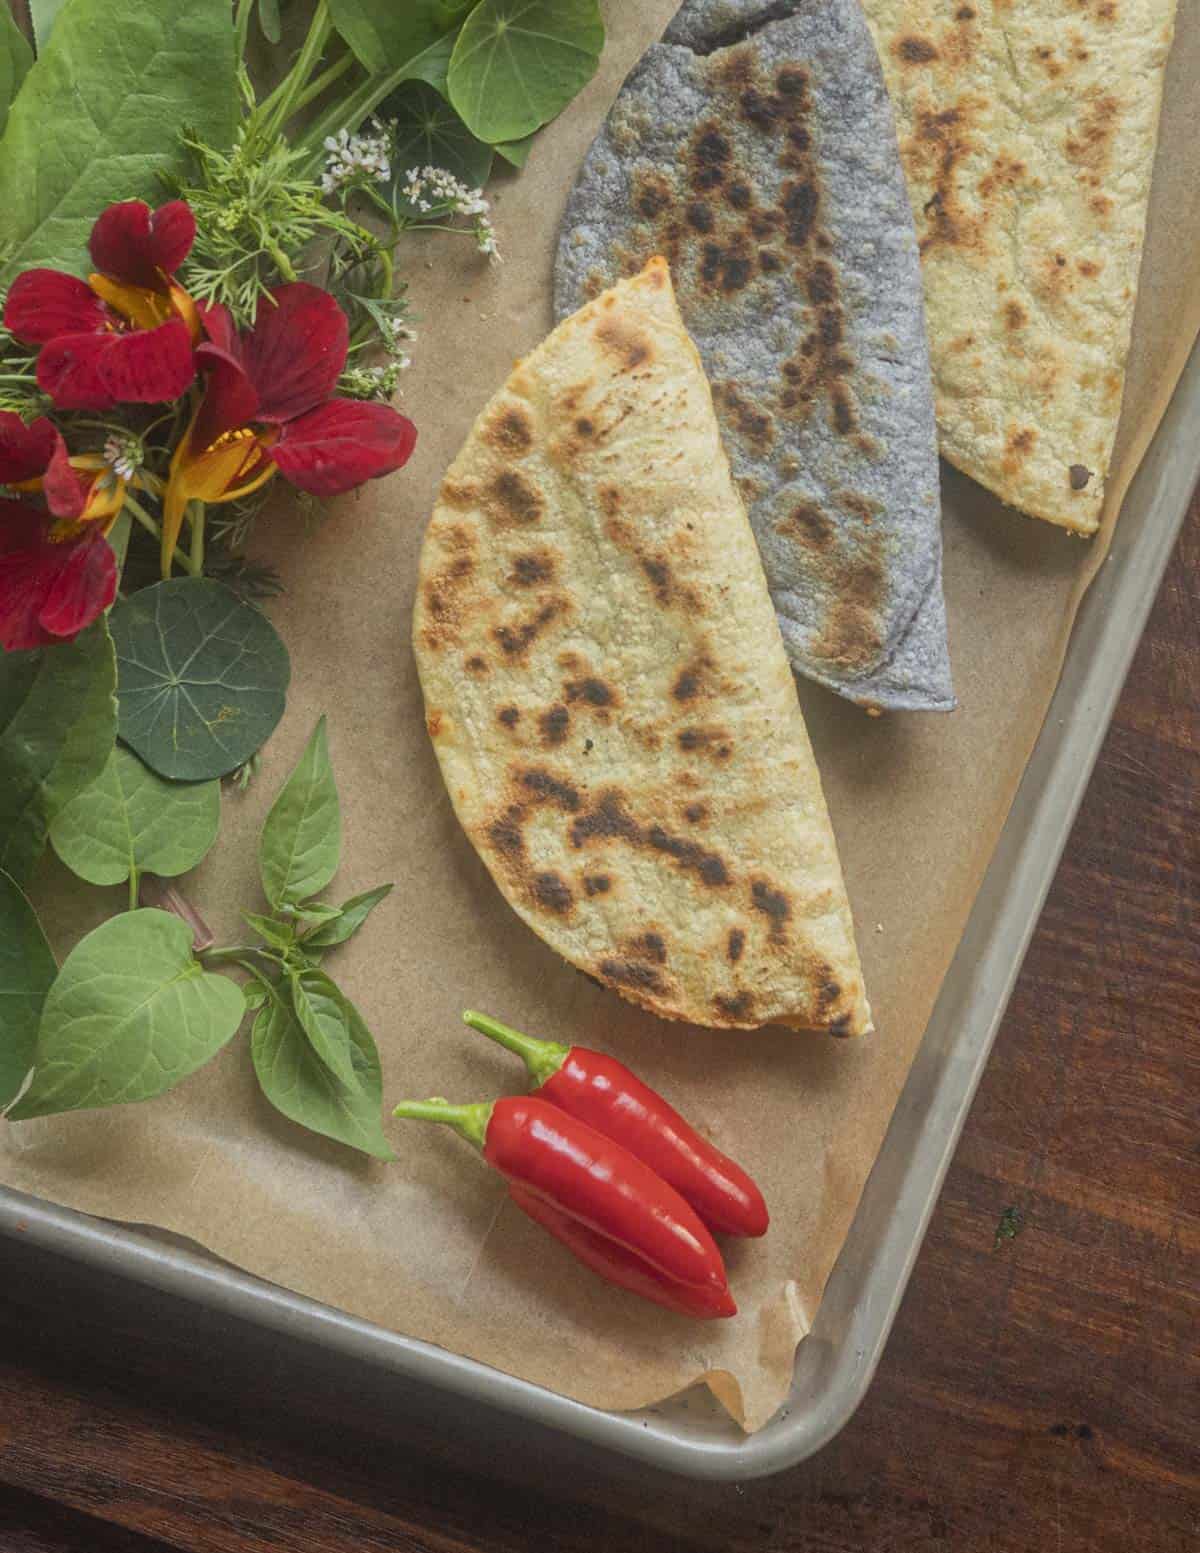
608,693
1028,130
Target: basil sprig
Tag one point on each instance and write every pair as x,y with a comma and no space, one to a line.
134,1009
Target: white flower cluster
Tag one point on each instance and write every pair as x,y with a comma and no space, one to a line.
432,189
124,455
354,158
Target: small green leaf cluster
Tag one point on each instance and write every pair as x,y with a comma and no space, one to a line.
135,1009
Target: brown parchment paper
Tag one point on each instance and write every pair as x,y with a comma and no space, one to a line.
428,1246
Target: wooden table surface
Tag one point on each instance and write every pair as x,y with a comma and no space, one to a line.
1041,1390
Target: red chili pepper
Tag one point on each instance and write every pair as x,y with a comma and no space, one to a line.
591,1180
601,1091
616,1265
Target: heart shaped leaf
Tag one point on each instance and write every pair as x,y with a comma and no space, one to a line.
202,677
131,1013
303,1088
301,842
516,63
58,720
26,970
131,820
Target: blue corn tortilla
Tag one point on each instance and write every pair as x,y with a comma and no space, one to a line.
755,148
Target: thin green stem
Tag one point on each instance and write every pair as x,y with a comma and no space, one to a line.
322,82
196,512
134,881
469,1121
542,1058
297,77
242,26
238,952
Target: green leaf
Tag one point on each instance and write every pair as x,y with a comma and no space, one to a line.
15,59
319,1008
42,13
383,33
516,152
280,935
202,677
131,1014
301,842
303,1088
268,20
99,117
58,720
27,969
348,921
519,62
430,134
255,994
129,819
317,913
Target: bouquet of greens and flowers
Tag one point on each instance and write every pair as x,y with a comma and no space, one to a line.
202,208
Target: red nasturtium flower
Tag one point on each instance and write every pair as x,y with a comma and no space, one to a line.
125,335
267,406
57,570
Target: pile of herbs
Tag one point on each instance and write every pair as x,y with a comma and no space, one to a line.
307,140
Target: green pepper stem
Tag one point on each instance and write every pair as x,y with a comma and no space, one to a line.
542,1058
470,1121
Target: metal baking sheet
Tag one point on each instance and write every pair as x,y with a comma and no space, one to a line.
835,1363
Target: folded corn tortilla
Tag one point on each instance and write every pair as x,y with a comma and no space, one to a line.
1028,133
755,147
607,690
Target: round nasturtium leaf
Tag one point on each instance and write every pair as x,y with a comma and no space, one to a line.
430,134
201,677
516,63
131,818
131,1013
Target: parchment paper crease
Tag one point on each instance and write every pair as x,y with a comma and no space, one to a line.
427,1246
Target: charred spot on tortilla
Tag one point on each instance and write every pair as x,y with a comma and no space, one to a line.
649,946
1079,474
509,716
507,836
510,499
634,975
546,788
510,431
591,691
774,905
596,884
516,640
715,742
736,1008
554,724
735,944
532,567
552,891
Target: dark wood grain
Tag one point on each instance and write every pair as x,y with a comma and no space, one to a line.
1039,1393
